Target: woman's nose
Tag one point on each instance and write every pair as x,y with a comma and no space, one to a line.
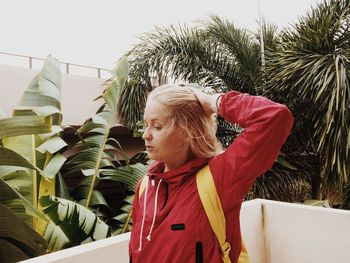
146,135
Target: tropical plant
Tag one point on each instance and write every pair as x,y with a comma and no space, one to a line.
30,155
309,69
94,153
30,146
220,56
130,175
31,137
78,224
94,157
18,241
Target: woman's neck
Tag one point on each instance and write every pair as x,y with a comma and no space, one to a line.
177,162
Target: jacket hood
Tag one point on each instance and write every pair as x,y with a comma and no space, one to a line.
175,176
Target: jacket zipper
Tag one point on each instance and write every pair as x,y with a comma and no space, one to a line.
199,252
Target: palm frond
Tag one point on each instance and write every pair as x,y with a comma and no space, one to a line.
281,184
205,56
311,64
243,49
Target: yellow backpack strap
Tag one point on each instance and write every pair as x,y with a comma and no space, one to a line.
212,206
143,184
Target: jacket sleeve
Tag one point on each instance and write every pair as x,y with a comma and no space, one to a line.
134,214
266,127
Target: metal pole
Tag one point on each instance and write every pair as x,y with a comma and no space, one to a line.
261,39
30,62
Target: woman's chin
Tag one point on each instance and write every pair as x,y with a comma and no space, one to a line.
151,156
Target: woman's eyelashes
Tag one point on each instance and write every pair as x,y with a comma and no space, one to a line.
155,126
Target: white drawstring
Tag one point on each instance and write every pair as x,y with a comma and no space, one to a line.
144,214
154,212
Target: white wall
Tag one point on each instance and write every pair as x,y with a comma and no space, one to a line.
78,93
252,230
304,234
109,250
274,232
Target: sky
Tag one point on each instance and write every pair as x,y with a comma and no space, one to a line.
97,32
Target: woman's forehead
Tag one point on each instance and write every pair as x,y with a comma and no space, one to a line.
156,111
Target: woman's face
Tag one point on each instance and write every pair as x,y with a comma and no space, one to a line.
164,142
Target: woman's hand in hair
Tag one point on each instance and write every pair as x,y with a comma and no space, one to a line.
208,102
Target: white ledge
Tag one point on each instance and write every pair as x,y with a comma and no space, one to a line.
274,232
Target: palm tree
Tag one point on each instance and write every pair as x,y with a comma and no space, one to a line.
215,54
309,70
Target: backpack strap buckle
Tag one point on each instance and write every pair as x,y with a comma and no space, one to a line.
225,250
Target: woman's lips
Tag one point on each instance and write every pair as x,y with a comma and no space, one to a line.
149,148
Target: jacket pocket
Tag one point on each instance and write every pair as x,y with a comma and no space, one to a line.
176,227
199,252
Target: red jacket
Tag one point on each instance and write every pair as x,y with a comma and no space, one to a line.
178,229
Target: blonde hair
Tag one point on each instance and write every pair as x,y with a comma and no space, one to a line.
187,114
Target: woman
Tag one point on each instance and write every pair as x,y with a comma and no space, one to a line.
169,222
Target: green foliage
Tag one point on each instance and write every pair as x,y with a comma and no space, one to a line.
129,175
217,55
124,218
18,241
283,182
30,156
22,125
95,151
78,224
310,65
35,123
94,157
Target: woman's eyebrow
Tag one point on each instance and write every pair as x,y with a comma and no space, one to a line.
152,120
163,119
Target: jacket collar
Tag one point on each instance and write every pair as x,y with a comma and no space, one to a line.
176,175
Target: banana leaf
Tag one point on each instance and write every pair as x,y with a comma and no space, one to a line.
18,241
124,218
61,188
14,200
55,238
128,175
94,150
11,158
32,137
22,125
77,223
